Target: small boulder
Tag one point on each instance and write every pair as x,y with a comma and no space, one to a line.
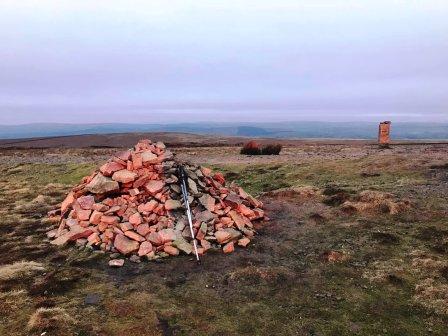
243,242
171,250
167,235
222,236
86,202
145,248
124,176
154,186
208,202
228,248
134,236
109,168
125,245
183,245
149,157
154,238
172,204
116,262
135,219
101,185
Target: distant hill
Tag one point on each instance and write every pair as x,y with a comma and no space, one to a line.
284,130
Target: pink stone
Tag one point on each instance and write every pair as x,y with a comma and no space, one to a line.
171,250
68,201
116,262
135,219
126,226
95,217
86,202
134,236
239,220
154,186
243,242
110,219
124,176
222,236
125,245
148,207
83,215
109,168
143,229
154,238
228,248
145,248
167,235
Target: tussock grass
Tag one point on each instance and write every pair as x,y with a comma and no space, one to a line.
20,269
53,319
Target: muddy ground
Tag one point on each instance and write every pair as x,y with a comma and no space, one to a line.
318,267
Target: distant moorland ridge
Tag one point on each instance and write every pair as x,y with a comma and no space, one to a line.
283,130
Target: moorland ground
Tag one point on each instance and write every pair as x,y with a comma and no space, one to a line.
318,267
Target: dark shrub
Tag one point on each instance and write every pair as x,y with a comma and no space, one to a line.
271,149
251,148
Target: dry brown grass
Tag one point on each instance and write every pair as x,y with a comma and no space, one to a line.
53,319
302,192
432,294
371,201
20,269
380,271
12,301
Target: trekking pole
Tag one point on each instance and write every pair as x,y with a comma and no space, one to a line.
183,178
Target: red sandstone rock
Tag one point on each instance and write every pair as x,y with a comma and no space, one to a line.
95,217
135,219
143,229
67,202
384,133
137,161
220,178
206,171
83,215
110,219
172,205
208,202
116,262
228,248
101,185
125,245
109,168
222,236
154,238
167,235
243,242
239,220
145,248
171,250
154,186
86,202
149,157
126,226
124,176
124,156
100,207
134,235
148,207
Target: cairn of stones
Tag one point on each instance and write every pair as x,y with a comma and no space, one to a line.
132,206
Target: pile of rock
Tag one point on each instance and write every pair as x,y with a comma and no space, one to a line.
132,206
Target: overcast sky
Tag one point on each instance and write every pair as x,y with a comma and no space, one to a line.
163,61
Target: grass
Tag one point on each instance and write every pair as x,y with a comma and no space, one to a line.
280,284
344,173
20,269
